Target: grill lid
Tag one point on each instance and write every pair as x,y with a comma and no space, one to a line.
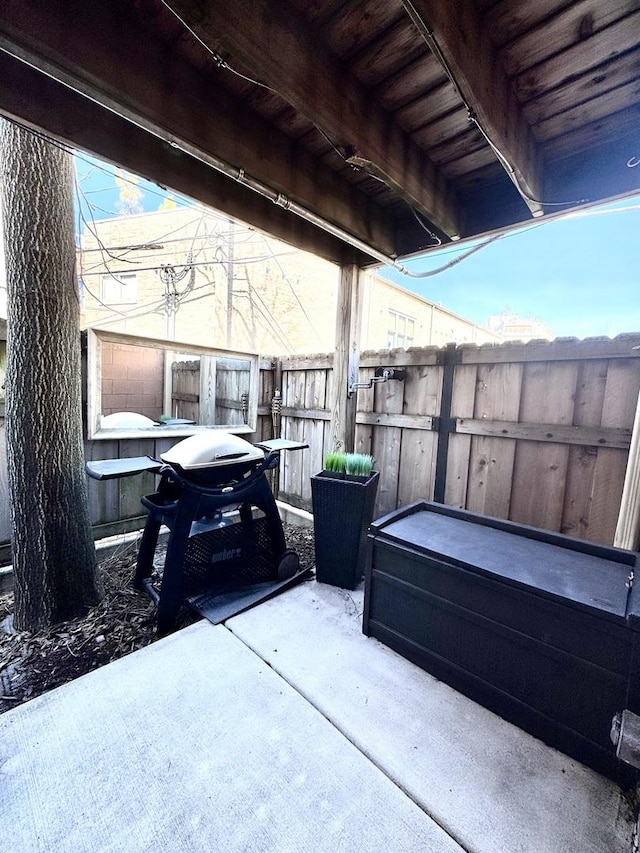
211,449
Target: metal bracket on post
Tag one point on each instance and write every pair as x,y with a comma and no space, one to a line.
625,735
382,374
276,412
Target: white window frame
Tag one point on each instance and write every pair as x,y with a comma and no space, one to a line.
398,330
119,288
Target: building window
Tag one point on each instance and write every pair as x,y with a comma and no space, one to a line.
119,289
401,330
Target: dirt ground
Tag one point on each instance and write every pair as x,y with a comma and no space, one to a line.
33,663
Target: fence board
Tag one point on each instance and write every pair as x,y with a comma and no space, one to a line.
548,394
313,430
386,441
285,425
621,390
462,405
491,459
364,425
292,428
185,390
207,390
104,496
264,427
578,498
133,488
418,450
326,444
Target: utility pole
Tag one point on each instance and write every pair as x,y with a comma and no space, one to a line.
230,277
170,277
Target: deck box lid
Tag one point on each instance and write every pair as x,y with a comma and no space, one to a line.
594,577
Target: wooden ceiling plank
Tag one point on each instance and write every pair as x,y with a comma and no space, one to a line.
470,162
280,48
28,96
358,24
598,82
392,50
590,135
320,12
585,113
507,21
574,25
577,60
597,174
411,81
113,59
429,108
443,129
484,177
466,48
465,143
292,123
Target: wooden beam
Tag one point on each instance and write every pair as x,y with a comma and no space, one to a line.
454,32
278,46
43,104
116,55
345,363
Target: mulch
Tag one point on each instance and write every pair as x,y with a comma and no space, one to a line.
124,621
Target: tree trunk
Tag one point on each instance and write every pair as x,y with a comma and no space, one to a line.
55,575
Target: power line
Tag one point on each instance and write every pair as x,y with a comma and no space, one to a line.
297,298
211,263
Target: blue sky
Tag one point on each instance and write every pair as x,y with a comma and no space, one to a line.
578,275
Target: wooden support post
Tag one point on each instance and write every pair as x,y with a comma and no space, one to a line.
347,359
448,357
628,526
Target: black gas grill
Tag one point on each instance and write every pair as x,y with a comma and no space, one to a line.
225,529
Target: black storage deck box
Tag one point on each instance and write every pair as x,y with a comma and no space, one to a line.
540,628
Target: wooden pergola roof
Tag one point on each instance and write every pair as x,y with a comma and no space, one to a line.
362,130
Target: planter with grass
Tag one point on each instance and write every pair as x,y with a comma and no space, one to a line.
343,496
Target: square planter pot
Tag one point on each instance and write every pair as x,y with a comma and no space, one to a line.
342,512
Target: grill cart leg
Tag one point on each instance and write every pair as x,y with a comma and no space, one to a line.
264,500
148,543
162,508
171,586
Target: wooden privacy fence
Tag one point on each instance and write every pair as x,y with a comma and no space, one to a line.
209,390
114,505
538,433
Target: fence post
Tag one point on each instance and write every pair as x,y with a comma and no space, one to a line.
448,358
346,359
628,526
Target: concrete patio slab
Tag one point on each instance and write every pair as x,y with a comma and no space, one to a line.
194,744
494,788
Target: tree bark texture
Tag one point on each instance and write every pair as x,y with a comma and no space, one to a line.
55,575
